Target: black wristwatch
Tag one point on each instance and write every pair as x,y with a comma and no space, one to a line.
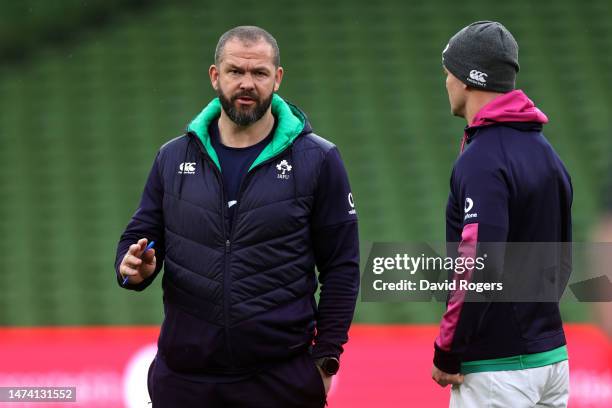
329,365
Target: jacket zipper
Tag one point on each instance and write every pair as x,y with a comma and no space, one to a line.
226,256
229,238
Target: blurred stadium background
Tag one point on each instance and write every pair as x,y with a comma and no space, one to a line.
89,90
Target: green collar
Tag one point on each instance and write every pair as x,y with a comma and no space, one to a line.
290,124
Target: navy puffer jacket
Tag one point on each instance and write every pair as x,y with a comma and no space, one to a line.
236,297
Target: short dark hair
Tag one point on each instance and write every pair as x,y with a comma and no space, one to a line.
247,34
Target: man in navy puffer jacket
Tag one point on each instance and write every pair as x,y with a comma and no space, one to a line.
242,208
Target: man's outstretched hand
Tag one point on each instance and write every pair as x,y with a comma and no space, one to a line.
138,265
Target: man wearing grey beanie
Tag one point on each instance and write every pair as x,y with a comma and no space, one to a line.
507,185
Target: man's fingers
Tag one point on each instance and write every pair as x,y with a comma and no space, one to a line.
137,248
142,243
455,379
446,379
132,261
128,271
439,379
133,249
149,256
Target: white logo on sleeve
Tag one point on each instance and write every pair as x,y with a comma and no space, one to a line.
469,204
478,78
187,168
283,170
351,202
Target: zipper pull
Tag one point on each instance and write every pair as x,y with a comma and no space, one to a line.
227,246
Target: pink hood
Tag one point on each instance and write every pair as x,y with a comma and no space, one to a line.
513,106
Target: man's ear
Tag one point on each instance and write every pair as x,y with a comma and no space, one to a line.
213,73
278,78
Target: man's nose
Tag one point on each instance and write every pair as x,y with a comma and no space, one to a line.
247,81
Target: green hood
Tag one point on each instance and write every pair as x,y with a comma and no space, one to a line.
290,124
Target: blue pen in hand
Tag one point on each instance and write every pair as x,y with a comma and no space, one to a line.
125,279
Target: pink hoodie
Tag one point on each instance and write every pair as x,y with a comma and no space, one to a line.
513,106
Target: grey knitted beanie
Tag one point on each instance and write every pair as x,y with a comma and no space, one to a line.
483,55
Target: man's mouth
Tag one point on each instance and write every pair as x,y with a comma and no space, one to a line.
245,100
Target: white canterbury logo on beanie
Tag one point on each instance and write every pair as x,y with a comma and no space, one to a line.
478,76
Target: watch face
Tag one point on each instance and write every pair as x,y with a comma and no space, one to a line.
330,365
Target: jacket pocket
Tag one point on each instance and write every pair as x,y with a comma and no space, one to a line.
191,345
282,332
